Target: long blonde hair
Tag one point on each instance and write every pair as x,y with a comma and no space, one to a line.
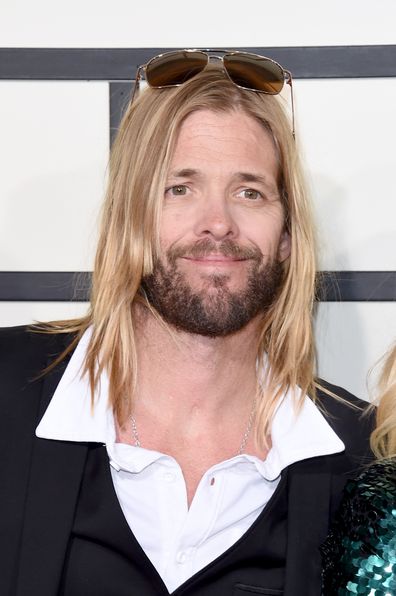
383,438
129,240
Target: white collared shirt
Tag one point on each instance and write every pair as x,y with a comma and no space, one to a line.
150,486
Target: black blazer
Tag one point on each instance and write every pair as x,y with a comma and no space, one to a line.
41,478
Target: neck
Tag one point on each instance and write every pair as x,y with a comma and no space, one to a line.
183,374
195,396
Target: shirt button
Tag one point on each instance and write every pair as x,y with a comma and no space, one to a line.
169,476
181,557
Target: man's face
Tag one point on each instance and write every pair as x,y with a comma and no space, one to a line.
222,229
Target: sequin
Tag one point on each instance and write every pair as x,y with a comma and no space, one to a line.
359,555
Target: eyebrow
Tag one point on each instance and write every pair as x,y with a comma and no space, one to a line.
248,177
185,173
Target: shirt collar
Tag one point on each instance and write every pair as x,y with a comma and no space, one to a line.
69,416
295,436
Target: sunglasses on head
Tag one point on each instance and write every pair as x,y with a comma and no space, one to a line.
247,71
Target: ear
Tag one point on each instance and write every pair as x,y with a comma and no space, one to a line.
284,246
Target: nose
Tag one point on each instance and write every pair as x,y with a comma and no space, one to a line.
216,220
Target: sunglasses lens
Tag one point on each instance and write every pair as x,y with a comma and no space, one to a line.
174,68
254,72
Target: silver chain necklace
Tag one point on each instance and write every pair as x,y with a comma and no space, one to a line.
245,437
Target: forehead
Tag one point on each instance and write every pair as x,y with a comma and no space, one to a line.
230,139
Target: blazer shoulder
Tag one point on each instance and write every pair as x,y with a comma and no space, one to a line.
25,352
29,338
346,401
352,419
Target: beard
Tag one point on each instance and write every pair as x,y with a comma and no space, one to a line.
214,310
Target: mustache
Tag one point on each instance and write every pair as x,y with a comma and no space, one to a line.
205,247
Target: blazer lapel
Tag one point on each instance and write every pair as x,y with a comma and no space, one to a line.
308,520
55,477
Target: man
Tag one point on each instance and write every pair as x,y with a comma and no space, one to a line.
177,440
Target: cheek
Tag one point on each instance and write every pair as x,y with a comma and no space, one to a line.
266,233
170,227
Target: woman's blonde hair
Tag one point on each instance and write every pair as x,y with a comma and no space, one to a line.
129,240
383,438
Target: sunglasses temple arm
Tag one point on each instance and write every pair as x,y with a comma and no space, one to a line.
136,87
290,83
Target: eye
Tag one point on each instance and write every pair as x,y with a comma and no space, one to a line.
178,190
251,194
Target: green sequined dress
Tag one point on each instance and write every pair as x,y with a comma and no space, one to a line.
359,555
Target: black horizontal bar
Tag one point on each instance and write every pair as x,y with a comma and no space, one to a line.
357,286
42,286
117,64
333,286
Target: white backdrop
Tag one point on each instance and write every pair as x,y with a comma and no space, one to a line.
204,23
54,146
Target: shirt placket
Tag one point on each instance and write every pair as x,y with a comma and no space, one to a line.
199,521
173,510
